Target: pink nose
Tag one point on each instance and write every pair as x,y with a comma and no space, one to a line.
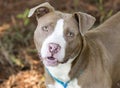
54,48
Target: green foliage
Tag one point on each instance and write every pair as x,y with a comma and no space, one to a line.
16,61
18,38
24,17
14,40
103,13
76,3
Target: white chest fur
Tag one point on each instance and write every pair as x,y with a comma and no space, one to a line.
61,72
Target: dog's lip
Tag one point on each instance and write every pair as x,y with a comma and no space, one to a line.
51,58
51,61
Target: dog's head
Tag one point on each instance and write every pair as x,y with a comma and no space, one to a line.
58,36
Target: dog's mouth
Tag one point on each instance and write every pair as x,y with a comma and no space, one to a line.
50,58
50,61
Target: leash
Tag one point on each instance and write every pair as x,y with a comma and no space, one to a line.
64,84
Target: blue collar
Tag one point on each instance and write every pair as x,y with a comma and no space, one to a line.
64,84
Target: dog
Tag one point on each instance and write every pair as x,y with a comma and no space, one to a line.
73,55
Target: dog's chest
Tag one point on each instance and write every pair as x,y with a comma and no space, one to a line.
72,84
61,72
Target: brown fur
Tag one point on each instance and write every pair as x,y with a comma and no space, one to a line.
99,48
103,68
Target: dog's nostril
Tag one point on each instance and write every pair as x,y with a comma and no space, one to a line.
54,48
50,48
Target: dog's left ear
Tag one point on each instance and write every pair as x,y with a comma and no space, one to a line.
85,21
41,10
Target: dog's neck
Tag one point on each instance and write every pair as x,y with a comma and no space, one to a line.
61,71
81,61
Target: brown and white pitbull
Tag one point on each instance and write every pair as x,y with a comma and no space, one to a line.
73,56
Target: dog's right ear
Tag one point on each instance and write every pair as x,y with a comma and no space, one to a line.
41,10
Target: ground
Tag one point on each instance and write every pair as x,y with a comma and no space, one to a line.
20,66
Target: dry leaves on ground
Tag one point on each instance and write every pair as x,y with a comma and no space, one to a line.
27,79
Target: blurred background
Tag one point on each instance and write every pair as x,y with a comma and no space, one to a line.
20,66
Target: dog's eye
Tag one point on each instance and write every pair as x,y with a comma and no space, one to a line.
70,34
45,28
